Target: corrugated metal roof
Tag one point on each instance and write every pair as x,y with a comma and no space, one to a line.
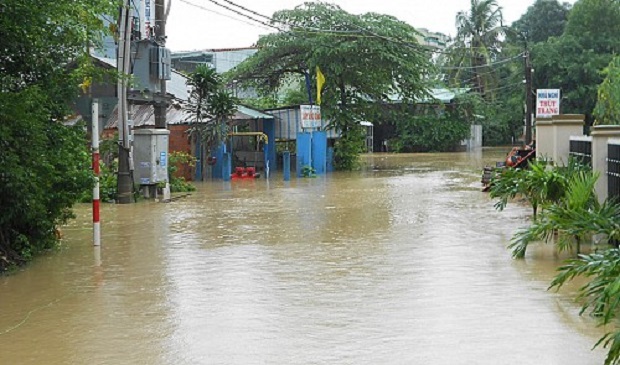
444,95
177,86
210,50
108,61
247,113
72,120
143,116
438,94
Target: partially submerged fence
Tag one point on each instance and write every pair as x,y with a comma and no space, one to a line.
561,137
581,149
613,168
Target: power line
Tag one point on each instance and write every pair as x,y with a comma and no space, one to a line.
449,51
244,15
491,90
248,10
416,47
292,26
336,33
136,9
226,15
506,60
473,78
343,33
314,30
520,84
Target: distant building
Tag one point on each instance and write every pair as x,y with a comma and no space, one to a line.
222,60
437,100
432,39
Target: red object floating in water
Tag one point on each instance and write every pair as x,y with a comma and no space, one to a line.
244,173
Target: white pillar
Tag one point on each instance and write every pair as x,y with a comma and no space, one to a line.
545,144
565,126
600,137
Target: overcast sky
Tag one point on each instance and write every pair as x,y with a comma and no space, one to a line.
191,28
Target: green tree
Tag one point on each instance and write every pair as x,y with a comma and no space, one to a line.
261,103
209,109
607,110
39,39
543,20
437,128
295,97
477,44
574,61
366,59
179,159
209,106
44,166
595,24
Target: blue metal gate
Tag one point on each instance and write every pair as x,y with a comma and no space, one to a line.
304,151
319,152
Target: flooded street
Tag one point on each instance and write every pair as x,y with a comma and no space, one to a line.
404,262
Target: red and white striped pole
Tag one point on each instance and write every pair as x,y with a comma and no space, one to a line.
95,145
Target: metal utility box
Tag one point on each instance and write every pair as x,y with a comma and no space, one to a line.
150,148
151,65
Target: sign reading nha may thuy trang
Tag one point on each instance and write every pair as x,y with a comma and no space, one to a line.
547,103
310,116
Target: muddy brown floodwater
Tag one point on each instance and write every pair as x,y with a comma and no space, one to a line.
404,262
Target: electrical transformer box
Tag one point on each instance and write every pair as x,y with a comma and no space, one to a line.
151,64
150,155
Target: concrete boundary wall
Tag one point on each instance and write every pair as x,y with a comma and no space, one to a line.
553,136
602,137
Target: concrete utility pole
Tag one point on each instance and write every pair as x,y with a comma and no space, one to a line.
160,38
125,183
528,98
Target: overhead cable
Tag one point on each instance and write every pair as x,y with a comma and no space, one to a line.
225,15
481,66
